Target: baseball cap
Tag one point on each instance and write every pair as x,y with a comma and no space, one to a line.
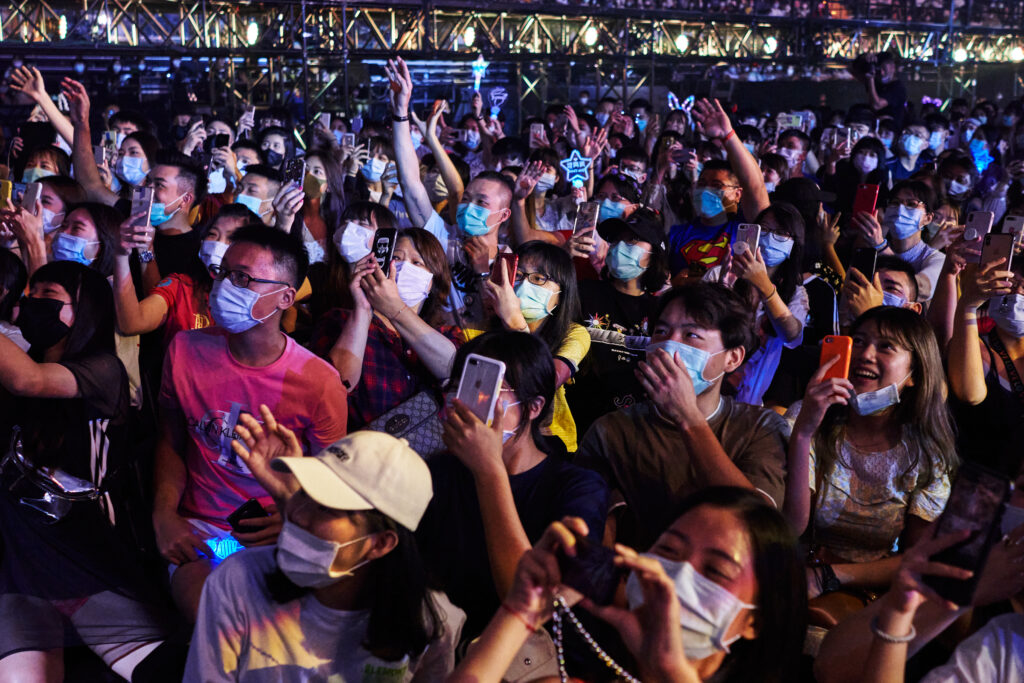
366,470
649,231
801,192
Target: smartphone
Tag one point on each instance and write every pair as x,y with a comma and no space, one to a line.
866,199
31,195
458,135
976,502
384,241
998,245
510,263
586,218
295,171
1014,225
142,202
748,236
221,140
536,132
832,346
6,192
979,224
592,572
250,509
325,120
480,385
864,260
348,139
99,154
110,139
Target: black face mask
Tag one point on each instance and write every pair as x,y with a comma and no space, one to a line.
179,132
271,158
39,320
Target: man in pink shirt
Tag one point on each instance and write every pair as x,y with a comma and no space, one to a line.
213,375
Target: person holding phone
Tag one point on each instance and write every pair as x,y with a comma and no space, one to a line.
385,348
501,484
865,166
877,450
276,147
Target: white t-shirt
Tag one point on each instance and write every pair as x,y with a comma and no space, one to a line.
243,635
928,263
994,653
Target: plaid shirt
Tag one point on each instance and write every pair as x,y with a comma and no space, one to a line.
391,374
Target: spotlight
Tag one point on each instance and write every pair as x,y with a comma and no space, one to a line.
682,43
116,66
770,45
252,33
79,66
959,55
62,27
102,18
1017,53
590,37
469,36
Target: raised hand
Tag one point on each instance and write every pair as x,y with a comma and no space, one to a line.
28,80
258,444
400,90
711,119
528,178
821,395
78,101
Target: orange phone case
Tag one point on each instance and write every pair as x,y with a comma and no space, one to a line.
831,347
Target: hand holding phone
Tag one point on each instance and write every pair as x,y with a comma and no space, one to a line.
864,260
592,571
250,509
748,238
586,218
831,347
480,385
507,261
384,247
865,199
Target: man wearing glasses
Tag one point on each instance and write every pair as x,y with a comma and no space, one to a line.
213,375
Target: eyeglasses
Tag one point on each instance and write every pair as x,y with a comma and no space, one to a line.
909,203
715,186
539,279
241,279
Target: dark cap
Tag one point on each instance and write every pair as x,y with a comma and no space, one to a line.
801,192
649,231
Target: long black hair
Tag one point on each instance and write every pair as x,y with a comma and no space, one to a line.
93,302
13,277
789,274
556,264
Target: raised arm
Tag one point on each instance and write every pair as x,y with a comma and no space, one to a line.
134,316
966,367
715,123
28,80
22,376
417,201
521,228
348,351
86,172
451,177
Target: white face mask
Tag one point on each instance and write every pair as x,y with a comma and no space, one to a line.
413,283
1007,312
792,156
873,402
211,252
708,609
50,222
306,559
216,182
865,163
546,182
353,242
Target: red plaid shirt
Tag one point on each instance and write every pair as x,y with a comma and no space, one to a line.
392,373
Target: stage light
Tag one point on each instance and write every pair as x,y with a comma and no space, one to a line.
959,55
1017,53
62,27
770,45
590,36
469,36
102,19
682,43
252,33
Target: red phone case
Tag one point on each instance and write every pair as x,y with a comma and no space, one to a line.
866,199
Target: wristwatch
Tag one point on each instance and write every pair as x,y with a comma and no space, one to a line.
829,581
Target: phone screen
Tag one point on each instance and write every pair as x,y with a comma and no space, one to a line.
384,247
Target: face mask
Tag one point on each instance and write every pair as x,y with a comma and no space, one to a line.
624,261
119,138
438,190
254,204
634,174
34,173
413,283
546,182
912,144
211,252
602,117
353,242
129,169
887,142
889,299
216,182
982,118
708,202
873,402
769,186
271,157
693,358
39,320
750,147
955,188
775,249
968,134
610,209
472,219
935,141
71,248
417,138
583,101
373,169
472,139
1013,517
507,434
1009,121
612,152
792,156
50,222
242,164
158,212
232,306
977,148
533,301
902,221
306,559
1007,312
865,163
641,124
708,610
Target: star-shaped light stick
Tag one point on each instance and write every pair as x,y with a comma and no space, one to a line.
479,69
577,168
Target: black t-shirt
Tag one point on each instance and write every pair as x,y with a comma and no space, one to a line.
619,325
177,253
895,94
451,534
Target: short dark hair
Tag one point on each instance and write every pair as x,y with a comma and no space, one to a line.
93,301
719,165
804,139
149,144
133,117
189,173
897,264
506,183
632,153
622,183
508,146
919,189
714,306
268,172
289,252
59,157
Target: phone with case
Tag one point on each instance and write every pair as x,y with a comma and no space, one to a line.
586,218
384,247
142,203
33,191
748,238
831,347
295,171
1014,225
480,385
507,261
997,245
866,199
979,224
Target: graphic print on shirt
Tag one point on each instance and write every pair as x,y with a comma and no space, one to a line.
216,430
707,253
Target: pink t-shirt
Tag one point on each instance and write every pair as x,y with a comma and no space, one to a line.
210,388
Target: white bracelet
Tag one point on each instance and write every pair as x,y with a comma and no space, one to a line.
888,637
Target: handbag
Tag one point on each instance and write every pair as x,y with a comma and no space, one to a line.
417,420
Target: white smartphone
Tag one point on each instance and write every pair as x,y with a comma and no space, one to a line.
979,224
1014,225
480,385
748,236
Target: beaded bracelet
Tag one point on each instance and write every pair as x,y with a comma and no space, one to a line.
518,615
888,637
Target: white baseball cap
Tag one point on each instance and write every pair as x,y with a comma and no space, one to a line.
366,470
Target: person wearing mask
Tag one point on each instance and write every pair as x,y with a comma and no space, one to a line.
866,166
276,146
368,183
958,175
877,451
258,189
385,348
908,211
794,146
938,135
617,311
210,377
887,131
723,191
501,484
719,596
65,408
894,284
687,435
88,236
315,188
13,279
343,595
44,162
619,197
913,142
247,153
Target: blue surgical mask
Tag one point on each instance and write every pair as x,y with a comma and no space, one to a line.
254,204
889,299
373,169
158,212
624,261
533,301
1009,121
211,252
610,209
337,136
935,141
750,147
472,219
902,221
232,306
775,249
982,118
912,144
695,360
769,187
50,222
130,170
33,173
1007,312
641,124
887,142
602,118
873,402
472,139
71,248
708,203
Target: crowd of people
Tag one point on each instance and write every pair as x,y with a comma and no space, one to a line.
428,398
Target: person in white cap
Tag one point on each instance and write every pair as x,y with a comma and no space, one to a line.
342,597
